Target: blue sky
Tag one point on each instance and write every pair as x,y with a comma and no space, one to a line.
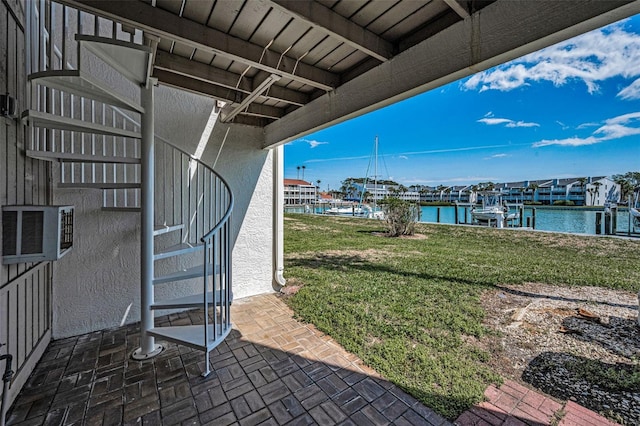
569,110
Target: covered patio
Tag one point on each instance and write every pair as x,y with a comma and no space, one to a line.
271,370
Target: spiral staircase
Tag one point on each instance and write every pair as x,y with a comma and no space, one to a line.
98,138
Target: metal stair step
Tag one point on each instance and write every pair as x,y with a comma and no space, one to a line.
81,84
99,185
177,250
165,229
185,274
192,335
79,158
51,121
129,59
190,302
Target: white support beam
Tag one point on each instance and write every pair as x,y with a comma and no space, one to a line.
457,7
237,109
321,17
500,32
193,85
197,70
168,25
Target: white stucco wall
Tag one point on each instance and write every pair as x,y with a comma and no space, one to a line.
96,285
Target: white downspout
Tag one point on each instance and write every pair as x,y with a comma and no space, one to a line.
278,218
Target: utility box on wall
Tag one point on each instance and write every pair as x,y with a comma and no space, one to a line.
36,233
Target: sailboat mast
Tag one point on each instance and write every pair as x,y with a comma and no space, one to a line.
375,174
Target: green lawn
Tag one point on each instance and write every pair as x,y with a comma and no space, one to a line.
407,307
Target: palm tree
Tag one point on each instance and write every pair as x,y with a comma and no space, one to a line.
533,187
303,167
298,175
592,193
448,192
596,189
583,186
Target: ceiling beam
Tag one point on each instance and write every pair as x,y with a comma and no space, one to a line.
232,97
197,86
266,111
337,26
185,66
457,7
180,65
171,26
229,113
502,31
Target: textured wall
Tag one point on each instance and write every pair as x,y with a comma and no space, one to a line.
97,285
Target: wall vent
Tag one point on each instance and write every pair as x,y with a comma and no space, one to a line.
36,233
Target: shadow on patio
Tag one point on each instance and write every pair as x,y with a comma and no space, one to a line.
270,370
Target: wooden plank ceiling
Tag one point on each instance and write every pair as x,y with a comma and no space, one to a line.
269,58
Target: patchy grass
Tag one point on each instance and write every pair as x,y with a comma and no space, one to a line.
410,307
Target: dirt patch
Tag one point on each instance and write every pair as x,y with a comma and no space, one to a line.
570,342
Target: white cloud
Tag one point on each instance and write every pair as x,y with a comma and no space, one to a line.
631,92
497,156
403,157
568,142
586,125
522,124
313,143
591,58
613,128
619,127
492,121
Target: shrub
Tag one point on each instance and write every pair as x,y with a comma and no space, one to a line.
400,216
564,203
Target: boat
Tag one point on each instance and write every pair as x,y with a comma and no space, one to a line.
493,211
360,209
356,210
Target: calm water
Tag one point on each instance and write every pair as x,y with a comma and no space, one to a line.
547,219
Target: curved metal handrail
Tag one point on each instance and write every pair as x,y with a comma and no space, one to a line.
229,210
225,217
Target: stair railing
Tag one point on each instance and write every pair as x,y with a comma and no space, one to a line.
206,203
187,191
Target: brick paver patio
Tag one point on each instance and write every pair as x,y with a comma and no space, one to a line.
271,370
515,405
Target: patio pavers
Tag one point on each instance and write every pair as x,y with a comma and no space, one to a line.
271,370
516,405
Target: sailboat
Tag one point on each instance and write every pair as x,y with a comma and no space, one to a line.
361,209
375,211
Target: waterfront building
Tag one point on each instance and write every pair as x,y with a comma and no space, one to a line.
580,191
601,190
299,192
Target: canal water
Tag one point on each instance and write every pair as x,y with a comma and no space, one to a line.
574,220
